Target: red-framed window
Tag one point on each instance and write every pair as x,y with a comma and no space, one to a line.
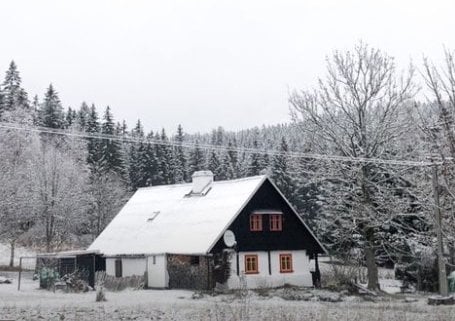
251,264
276,222
286,263
256,222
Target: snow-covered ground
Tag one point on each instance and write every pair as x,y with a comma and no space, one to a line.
33,304
387,280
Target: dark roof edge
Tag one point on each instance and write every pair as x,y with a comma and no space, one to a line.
263,179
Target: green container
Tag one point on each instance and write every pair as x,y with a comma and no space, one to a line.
47,277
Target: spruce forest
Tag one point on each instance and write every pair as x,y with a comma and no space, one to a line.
354,160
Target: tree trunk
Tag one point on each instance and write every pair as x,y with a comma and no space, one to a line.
372,269
11,258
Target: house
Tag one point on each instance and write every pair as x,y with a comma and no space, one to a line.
196,235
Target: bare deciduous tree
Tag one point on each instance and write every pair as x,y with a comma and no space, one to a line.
438,123
359,111
16,215
107,195
59,190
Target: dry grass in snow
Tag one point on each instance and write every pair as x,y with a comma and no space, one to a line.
33,304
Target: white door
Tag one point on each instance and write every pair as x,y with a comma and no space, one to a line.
157,271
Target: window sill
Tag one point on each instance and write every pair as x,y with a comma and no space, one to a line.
287,271
252,272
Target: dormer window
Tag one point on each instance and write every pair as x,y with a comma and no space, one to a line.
256,222
276,222
274,218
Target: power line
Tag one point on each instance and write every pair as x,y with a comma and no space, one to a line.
191,145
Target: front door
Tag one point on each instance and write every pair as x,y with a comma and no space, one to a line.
157,275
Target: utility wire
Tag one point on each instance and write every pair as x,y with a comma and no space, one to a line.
191,145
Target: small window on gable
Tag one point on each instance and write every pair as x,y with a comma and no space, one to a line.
276,222
118,268
256,222
251,264
194,260
286,263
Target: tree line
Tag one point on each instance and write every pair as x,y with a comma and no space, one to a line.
61,191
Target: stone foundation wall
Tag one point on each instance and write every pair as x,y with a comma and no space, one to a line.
189,272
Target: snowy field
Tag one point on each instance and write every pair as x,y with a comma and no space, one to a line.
33,304
20,251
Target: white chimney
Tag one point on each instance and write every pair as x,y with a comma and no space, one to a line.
202,182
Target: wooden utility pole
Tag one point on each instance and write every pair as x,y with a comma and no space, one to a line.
443,287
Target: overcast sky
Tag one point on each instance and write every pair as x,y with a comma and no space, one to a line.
204,63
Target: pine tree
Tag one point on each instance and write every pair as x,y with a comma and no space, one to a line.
264,161
51,111
70,118
233,160
83,115
196,162
180,172
213,164
158,178
2,98
219,137
35,110
167,160
254,162
121,129
13,95
111,148
22,99
226,171
94,147
152,176
138,130
138,175
279,170
124,128
213,137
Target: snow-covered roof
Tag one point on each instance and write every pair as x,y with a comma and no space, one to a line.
160,219
70,253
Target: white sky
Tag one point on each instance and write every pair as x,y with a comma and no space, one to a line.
204,63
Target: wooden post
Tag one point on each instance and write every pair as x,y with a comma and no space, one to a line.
317,271
20,274
237,265
94,269
443,287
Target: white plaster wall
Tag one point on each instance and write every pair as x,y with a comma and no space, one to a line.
134,266
130,266
300,276
158,276
110,266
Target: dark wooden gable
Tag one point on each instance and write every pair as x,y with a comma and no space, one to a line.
294,234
